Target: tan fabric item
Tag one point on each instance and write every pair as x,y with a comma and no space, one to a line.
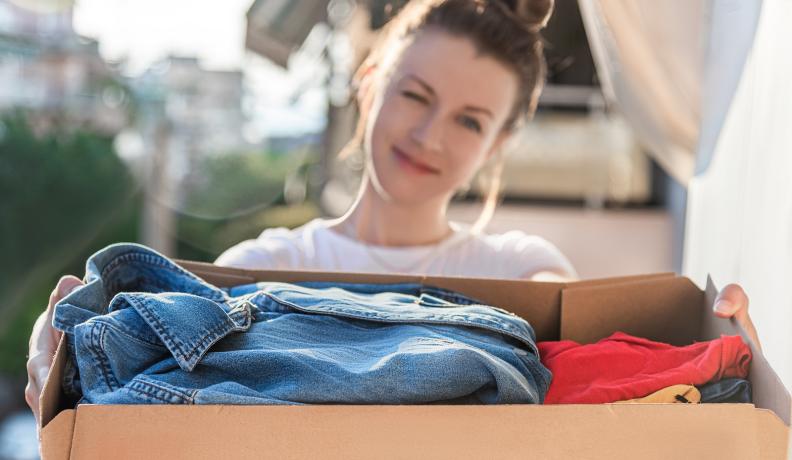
672,394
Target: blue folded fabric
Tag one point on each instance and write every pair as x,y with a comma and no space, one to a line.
145,330
726,391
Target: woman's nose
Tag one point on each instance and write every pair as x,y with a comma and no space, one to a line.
427,134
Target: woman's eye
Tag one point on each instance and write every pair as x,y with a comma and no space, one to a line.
471,123
414,96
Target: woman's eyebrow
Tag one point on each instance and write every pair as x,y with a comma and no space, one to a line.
473,108
426,86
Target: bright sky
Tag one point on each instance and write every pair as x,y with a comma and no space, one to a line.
144,31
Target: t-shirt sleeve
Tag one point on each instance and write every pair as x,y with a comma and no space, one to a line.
247,254
274,249
535,254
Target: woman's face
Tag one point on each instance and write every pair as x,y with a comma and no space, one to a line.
436,119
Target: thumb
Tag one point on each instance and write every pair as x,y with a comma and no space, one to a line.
67,284
731,301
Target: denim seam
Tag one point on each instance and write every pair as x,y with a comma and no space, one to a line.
447,295
96,344
209,338
157,261
354,315
147,387
357,314
70,375
125,333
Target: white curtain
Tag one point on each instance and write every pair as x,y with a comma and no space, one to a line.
707,86
649,57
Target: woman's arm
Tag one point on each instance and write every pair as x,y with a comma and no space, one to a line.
548,275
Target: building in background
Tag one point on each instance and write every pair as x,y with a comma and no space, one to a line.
203,106
186,113
55,75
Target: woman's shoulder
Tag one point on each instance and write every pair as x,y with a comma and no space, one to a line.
274,248
520,254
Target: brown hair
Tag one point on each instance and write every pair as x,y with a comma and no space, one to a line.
507,30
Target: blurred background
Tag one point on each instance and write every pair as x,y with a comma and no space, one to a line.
191,126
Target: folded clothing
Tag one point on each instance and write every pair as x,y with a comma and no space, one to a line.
144,330
726,391
622,367
674,394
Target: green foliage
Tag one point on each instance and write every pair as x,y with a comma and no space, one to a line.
237,184
204,240
64,194
235,196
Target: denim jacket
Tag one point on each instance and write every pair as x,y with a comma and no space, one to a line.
145,330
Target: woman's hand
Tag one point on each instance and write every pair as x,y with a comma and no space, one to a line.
43,343
733,302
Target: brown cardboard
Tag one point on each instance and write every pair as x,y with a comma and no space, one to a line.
769,391
457,432
661,307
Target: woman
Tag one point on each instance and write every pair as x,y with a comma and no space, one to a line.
439,96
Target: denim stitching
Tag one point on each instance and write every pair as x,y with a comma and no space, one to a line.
150,389
448,295
110,375
159,261
503,329
95,344
494,321
212,335
120,330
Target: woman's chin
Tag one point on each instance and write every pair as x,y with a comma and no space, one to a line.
405,192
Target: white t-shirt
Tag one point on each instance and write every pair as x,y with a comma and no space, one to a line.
314,246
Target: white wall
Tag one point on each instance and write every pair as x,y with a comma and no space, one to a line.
739,214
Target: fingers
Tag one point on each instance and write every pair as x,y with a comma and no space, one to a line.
31,398
44,331
731,301
65,285
38,369
43,343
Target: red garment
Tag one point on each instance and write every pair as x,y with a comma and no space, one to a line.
624,367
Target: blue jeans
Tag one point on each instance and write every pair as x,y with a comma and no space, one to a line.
145,330
726,391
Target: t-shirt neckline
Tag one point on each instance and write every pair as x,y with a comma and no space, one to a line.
459,232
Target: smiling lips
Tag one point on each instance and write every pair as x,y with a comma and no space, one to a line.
412,164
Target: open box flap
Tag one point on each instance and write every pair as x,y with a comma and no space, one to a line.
50,398
619,279
663,309
768,390
57,422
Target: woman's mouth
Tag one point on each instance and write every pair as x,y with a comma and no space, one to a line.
413,165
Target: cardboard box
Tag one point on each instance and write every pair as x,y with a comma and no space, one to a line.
661,307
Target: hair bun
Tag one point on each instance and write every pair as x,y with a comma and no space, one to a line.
534,14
